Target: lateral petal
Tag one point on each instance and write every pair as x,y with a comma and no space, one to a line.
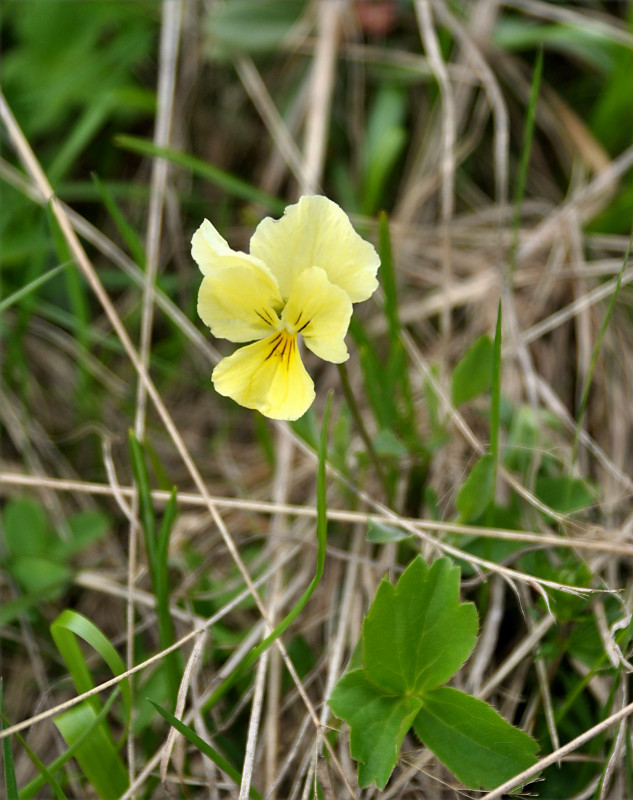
316,232
320,312
268,376
238,303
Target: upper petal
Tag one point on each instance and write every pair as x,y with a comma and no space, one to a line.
238,303
212,253
316,232
320,312
268,376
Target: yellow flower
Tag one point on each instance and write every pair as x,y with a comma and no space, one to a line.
300,279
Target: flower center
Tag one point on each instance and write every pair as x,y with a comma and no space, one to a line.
282,347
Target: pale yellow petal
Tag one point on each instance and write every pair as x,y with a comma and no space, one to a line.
320,312
238,303
268,376
316,232
212,253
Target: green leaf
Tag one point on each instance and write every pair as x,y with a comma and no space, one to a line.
467,735
204,747
472,375
564,493
65,629
96,754
224,180
10,783
378,724
377,533
417,634
477,490
251,26
25,528
387,444
86,527
37,575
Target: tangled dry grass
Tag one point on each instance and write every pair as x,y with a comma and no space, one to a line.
291,122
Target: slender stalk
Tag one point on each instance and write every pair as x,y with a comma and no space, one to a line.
364,433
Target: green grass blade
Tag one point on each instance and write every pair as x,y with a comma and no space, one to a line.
596,352
44,773
65,629
495,392
225,180
33,787
204,747
255,653
33,285
388,279
528,135
165,625
10,783
157,546
81,135
146,511
96,754
127,232
80,307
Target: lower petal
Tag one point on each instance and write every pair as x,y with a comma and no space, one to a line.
268,376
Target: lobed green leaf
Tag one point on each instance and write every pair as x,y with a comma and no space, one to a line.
378,724
467,735
417,634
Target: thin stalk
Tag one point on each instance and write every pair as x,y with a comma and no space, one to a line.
364,433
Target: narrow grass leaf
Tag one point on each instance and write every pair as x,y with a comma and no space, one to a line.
388,279
204,747
80,308
65,629
596,351
165,625
127,232
224,180
397,375
470,738
144,492
157,547
31,286
10,783
44,773
495,392
528,135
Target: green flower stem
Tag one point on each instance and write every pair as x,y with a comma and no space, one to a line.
353,407
256,652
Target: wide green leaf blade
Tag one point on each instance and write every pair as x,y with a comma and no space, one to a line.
64,630
477,491
417,634
472,375
378,723
97,754
470,738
